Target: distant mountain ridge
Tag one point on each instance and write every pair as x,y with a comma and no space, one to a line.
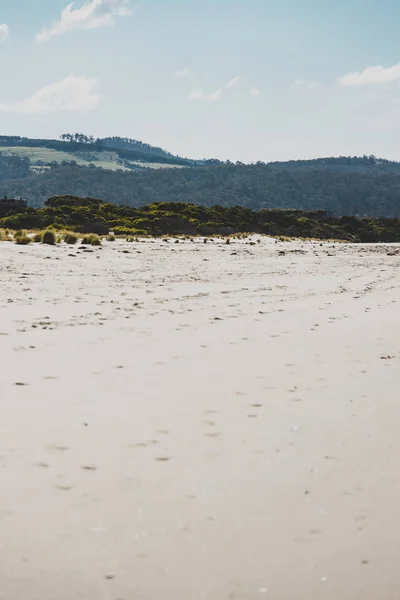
129,153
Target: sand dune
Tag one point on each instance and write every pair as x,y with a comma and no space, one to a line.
199,421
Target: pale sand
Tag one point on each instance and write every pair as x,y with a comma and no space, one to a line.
200,421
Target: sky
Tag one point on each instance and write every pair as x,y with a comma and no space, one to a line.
244,80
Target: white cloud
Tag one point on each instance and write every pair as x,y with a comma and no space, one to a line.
372,76
92,15
255,92
234,82
70,94
201,95
4,32
302,83
215,96
196,95
182,73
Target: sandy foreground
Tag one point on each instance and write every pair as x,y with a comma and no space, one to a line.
200,421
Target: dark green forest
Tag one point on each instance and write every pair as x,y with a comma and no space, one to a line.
355,186
344,186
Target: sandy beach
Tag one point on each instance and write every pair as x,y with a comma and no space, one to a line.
199,421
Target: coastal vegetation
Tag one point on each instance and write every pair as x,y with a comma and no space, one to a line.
69,217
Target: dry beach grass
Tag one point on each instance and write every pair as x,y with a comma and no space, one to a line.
199,420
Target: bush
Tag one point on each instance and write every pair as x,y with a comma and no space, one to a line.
92,240
70,237
19,233
97,227
125,231
95,240
37,238
23,240
111,238
49,237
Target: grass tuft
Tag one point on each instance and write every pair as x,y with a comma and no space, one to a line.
91,240
23,240
49,237
4,235
70,237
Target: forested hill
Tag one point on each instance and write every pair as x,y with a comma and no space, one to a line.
360,164
125,153
363,186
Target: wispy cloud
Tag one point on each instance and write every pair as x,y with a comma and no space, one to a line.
233,82
183,73
4,32
377,75
92,15
302,83
70,94
200,95
255,91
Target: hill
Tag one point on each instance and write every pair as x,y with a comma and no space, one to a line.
108,153
343,186
133,173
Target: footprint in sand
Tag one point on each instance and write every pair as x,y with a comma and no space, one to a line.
54,448
64,488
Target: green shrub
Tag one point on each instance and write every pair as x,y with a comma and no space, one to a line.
23,240
111,238
97,227
37,238
49,237
27,220
70,237
95,240
91,240
125,231
19,233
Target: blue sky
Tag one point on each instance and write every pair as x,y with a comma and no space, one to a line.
246,80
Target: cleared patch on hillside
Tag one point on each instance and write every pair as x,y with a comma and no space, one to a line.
106,160
148,165
46,155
